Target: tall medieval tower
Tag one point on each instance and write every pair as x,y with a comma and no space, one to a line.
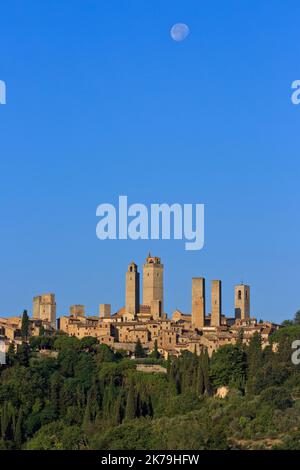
198,302
132,299
153,282
216,303
44,308
242,301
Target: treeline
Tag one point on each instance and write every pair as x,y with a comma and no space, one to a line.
63,393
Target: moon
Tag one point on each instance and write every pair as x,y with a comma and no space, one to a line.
179,32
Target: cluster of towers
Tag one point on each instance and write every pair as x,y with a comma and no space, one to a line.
153,293
153,287
241,302
44,306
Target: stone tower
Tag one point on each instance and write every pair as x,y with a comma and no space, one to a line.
216,303
77,310
132,300
44,308
104,311
198,302
242,301
153,282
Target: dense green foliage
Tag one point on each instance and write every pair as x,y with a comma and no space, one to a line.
65,393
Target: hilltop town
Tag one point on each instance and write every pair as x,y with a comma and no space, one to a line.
147,322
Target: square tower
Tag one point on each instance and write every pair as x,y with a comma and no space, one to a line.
153,281
242,301
216,303
77,310
198,302
44,308
104,311
132,297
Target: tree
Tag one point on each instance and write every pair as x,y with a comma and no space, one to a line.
240,338
42,331
55,388
87,418
206,371
10,356
104,354
155,354
25,325
118,412
64,342
279,397
23,354
139,351
130,411
255,361
200,378
297,318
88,343
228,366
57,436
18,430
169,364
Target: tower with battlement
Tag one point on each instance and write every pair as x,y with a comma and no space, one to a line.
44,308
153,282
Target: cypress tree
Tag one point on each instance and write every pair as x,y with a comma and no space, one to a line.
23,354
139,351
10,357
155,353
87,418
255,361
55,386
7,422
118,414
169,364
18,430
200,378
25,325
130,411
205,369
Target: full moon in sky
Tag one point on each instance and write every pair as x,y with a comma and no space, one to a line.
179,31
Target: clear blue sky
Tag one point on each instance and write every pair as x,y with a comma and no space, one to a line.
102,102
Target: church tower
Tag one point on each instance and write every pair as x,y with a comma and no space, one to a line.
132,290
153,282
